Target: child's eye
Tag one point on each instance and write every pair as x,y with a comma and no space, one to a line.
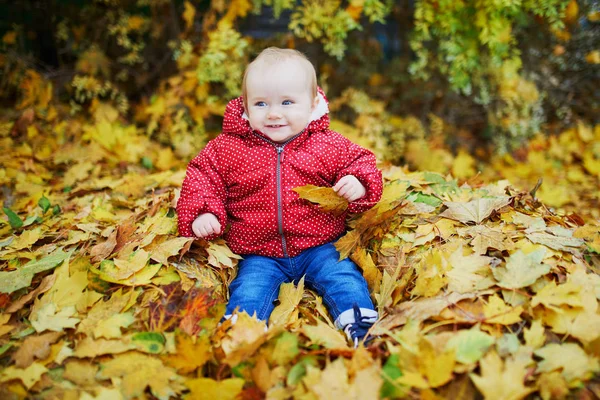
260,104
287,102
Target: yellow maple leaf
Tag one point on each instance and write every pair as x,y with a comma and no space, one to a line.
553,295
110,328
431,276
573,362
498,312
289,298
134,263
535,335
138,371
49,318
584,325
367,383
475,210
243,339
26,239
29,376
219,254
521,269
327,199
81,372
468,273
143,277
324,335
425,366
209,389
370,271
191,354
500,380
164,250
103,310
66,290
552,385
89,348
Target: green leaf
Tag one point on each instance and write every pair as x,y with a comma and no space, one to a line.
13,219
390,372
44,204
21,277
56,209
417,197
298,371
149,342
30,220
5,347
470,345
147,162
286,348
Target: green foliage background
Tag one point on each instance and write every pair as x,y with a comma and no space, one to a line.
498,70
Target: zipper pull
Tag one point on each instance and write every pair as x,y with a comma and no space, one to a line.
280,151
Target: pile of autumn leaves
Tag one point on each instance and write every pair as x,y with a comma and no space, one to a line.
481,289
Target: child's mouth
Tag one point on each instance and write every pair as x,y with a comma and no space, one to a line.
275,126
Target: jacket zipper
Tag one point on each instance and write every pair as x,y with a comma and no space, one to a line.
279,199
279,148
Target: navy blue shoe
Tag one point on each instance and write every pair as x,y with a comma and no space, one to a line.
358,330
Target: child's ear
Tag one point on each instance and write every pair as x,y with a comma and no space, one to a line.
315,103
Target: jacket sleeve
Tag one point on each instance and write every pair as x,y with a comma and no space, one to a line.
362,164
203,191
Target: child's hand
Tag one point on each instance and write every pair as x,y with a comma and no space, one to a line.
206,225
350,188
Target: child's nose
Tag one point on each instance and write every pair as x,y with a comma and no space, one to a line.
274,113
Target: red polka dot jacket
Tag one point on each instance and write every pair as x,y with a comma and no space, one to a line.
246,181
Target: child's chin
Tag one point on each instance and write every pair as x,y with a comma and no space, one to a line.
279,136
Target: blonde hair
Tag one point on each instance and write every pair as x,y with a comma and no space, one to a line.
274,55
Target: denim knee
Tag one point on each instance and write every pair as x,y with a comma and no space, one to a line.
340,283
256,287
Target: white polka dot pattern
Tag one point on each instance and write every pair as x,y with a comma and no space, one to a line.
234,178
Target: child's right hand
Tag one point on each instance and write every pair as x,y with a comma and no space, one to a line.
206,225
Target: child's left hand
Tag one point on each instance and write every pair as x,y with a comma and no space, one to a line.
350,188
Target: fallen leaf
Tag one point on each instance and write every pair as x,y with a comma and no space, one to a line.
20,278
243,339
29,376
468,273
191,354
553,295
475,210
498,312
138,371
51,319
209,389
570,358
327,199
33,347
324,335
502,380
521,269
168,248
289,298
110,328
43,287
470,345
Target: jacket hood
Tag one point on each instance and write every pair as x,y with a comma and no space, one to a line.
236,121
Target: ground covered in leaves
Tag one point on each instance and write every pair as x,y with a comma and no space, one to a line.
487,284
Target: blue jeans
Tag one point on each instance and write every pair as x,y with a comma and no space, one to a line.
339,283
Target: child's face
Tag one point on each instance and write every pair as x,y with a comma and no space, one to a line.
279,100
